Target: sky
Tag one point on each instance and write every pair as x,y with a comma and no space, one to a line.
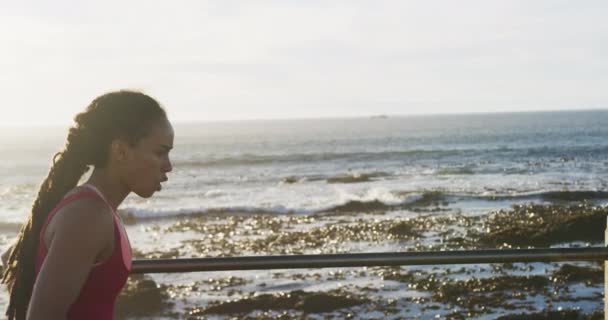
235,60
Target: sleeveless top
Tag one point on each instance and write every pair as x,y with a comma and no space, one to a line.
107,278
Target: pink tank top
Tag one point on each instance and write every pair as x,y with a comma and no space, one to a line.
106,279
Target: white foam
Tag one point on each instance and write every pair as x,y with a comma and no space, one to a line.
273,200
214,193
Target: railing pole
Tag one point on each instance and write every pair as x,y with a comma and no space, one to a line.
606,275
369,259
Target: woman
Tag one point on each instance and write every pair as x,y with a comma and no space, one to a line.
72,256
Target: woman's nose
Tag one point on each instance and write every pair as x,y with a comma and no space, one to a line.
167,166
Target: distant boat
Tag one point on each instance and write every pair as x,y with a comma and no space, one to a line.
380,116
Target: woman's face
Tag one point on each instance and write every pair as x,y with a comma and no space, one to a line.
147,163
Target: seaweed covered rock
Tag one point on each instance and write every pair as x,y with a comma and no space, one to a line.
480,295
361,206
350,178
307,302
474,295
404,229
555,315
357,177
571,273
543,225
428,199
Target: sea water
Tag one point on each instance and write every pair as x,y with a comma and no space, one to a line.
306,168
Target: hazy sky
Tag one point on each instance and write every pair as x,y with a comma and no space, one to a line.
219,60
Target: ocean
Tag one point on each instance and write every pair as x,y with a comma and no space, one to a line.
340,185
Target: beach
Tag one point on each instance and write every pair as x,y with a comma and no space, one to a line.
378,184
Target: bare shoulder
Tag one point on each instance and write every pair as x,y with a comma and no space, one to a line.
87,216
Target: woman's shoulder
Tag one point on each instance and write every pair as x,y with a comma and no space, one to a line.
86,214
87,207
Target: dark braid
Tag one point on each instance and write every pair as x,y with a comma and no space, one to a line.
122,114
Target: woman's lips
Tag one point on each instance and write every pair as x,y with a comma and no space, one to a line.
161,181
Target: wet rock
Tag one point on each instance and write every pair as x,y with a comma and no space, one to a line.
277,238
455,316
141,296
230,225
156,254
322,302
571,273
480,296
290,180
404,229
431,198
543,225
357,177
574,195
349,179
361,206
449,291
307,302
475,295
555,315
285,315
219,284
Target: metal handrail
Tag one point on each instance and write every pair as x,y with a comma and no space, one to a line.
369,259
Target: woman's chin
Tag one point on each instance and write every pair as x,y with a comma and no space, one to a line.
145,193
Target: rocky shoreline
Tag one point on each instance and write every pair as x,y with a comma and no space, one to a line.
455,293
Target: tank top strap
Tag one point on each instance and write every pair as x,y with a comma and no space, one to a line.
125,243
69,198
92,188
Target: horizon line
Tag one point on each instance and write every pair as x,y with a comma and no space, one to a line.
375,115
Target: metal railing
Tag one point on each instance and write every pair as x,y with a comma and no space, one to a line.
369,259
379,259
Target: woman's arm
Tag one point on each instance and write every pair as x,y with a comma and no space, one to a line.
82,231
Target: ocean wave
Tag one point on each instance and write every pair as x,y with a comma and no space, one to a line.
132,214
411,200
474,169
214,193
353,177
18,190
257,159
11,227
373,201
358,177
560,153
566,153
455,171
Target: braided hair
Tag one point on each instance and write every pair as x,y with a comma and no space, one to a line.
122,114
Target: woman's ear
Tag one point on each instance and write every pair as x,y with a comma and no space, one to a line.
118,150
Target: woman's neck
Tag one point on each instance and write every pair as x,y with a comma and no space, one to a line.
111,189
